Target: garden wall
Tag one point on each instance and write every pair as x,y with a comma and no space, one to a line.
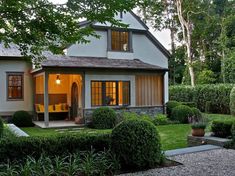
213,98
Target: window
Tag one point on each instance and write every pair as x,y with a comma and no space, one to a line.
14,86
110,93
120,41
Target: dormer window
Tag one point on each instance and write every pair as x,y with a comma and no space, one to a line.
120,41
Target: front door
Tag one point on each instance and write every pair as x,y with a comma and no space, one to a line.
74,100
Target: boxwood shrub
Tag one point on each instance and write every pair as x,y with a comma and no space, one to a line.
170,105
197,113
22,119
181,113
222,128
104,118
218,95
137,143
19,148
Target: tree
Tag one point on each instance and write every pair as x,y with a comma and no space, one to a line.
38,25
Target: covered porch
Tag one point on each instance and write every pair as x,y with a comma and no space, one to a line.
58,98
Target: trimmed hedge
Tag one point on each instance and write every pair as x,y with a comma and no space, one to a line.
137,143
217,95
170,105
22,119
222,128
232,101
19,148
104,118
181,113
1,126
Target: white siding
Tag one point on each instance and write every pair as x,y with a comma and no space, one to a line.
89,76
97,47
9,107
126,19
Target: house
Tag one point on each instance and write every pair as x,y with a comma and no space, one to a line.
126,68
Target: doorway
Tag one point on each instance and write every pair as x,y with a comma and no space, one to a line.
74,101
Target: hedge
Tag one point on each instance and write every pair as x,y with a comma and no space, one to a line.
21,147
214,98
222,128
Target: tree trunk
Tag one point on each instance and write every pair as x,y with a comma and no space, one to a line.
186,29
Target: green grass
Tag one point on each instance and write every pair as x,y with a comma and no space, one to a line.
34,131
172,136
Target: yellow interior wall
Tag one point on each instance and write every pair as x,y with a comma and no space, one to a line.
63,88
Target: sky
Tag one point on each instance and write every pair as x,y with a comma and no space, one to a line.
162,36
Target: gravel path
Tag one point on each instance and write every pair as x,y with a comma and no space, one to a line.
219,162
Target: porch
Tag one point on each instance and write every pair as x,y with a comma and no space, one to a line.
58,124
58,99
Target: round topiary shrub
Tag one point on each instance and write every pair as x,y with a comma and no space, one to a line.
197,113
232,101
170,105
22,119
104,118
182,113
1,126
137,143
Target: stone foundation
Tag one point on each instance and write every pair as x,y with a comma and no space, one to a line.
207,139
150,110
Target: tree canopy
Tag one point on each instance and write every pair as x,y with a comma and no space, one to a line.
38,25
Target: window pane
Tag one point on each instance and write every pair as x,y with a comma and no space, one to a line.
96,93
15,86
120,41
110,93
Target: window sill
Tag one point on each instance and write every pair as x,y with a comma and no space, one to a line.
15,99
115,51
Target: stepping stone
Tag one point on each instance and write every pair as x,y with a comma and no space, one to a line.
187,150
17,131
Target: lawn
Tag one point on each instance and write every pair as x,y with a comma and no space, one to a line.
172,136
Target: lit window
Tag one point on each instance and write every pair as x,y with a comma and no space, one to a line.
120,41
15,86
110,93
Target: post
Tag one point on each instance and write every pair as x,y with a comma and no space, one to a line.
46,114
83,96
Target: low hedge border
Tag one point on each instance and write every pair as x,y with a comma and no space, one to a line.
58,145
222,128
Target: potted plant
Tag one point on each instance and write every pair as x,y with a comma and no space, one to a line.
198,129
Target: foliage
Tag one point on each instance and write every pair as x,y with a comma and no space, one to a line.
83,163
160,119
233,132
190,104
1,127
197,113
137,143
35,25
206,77
104,118
57,145
222,128
198,125
232,101
181,113
22,119
170,105
229,67
217,95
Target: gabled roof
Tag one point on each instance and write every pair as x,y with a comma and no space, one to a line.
11,51
146,32
98,63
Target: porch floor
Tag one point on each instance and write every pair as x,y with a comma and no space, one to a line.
58,124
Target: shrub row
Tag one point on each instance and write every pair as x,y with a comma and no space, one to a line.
1,127
58,145
208,98
222,128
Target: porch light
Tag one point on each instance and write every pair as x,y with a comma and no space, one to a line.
58,81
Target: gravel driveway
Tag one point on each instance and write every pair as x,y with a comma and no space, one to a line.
219,162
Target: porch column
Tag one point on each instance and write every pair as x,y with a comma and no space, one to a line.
46,114
83,96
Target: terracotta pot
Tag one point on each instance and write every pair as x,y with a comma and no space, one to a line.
198,132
